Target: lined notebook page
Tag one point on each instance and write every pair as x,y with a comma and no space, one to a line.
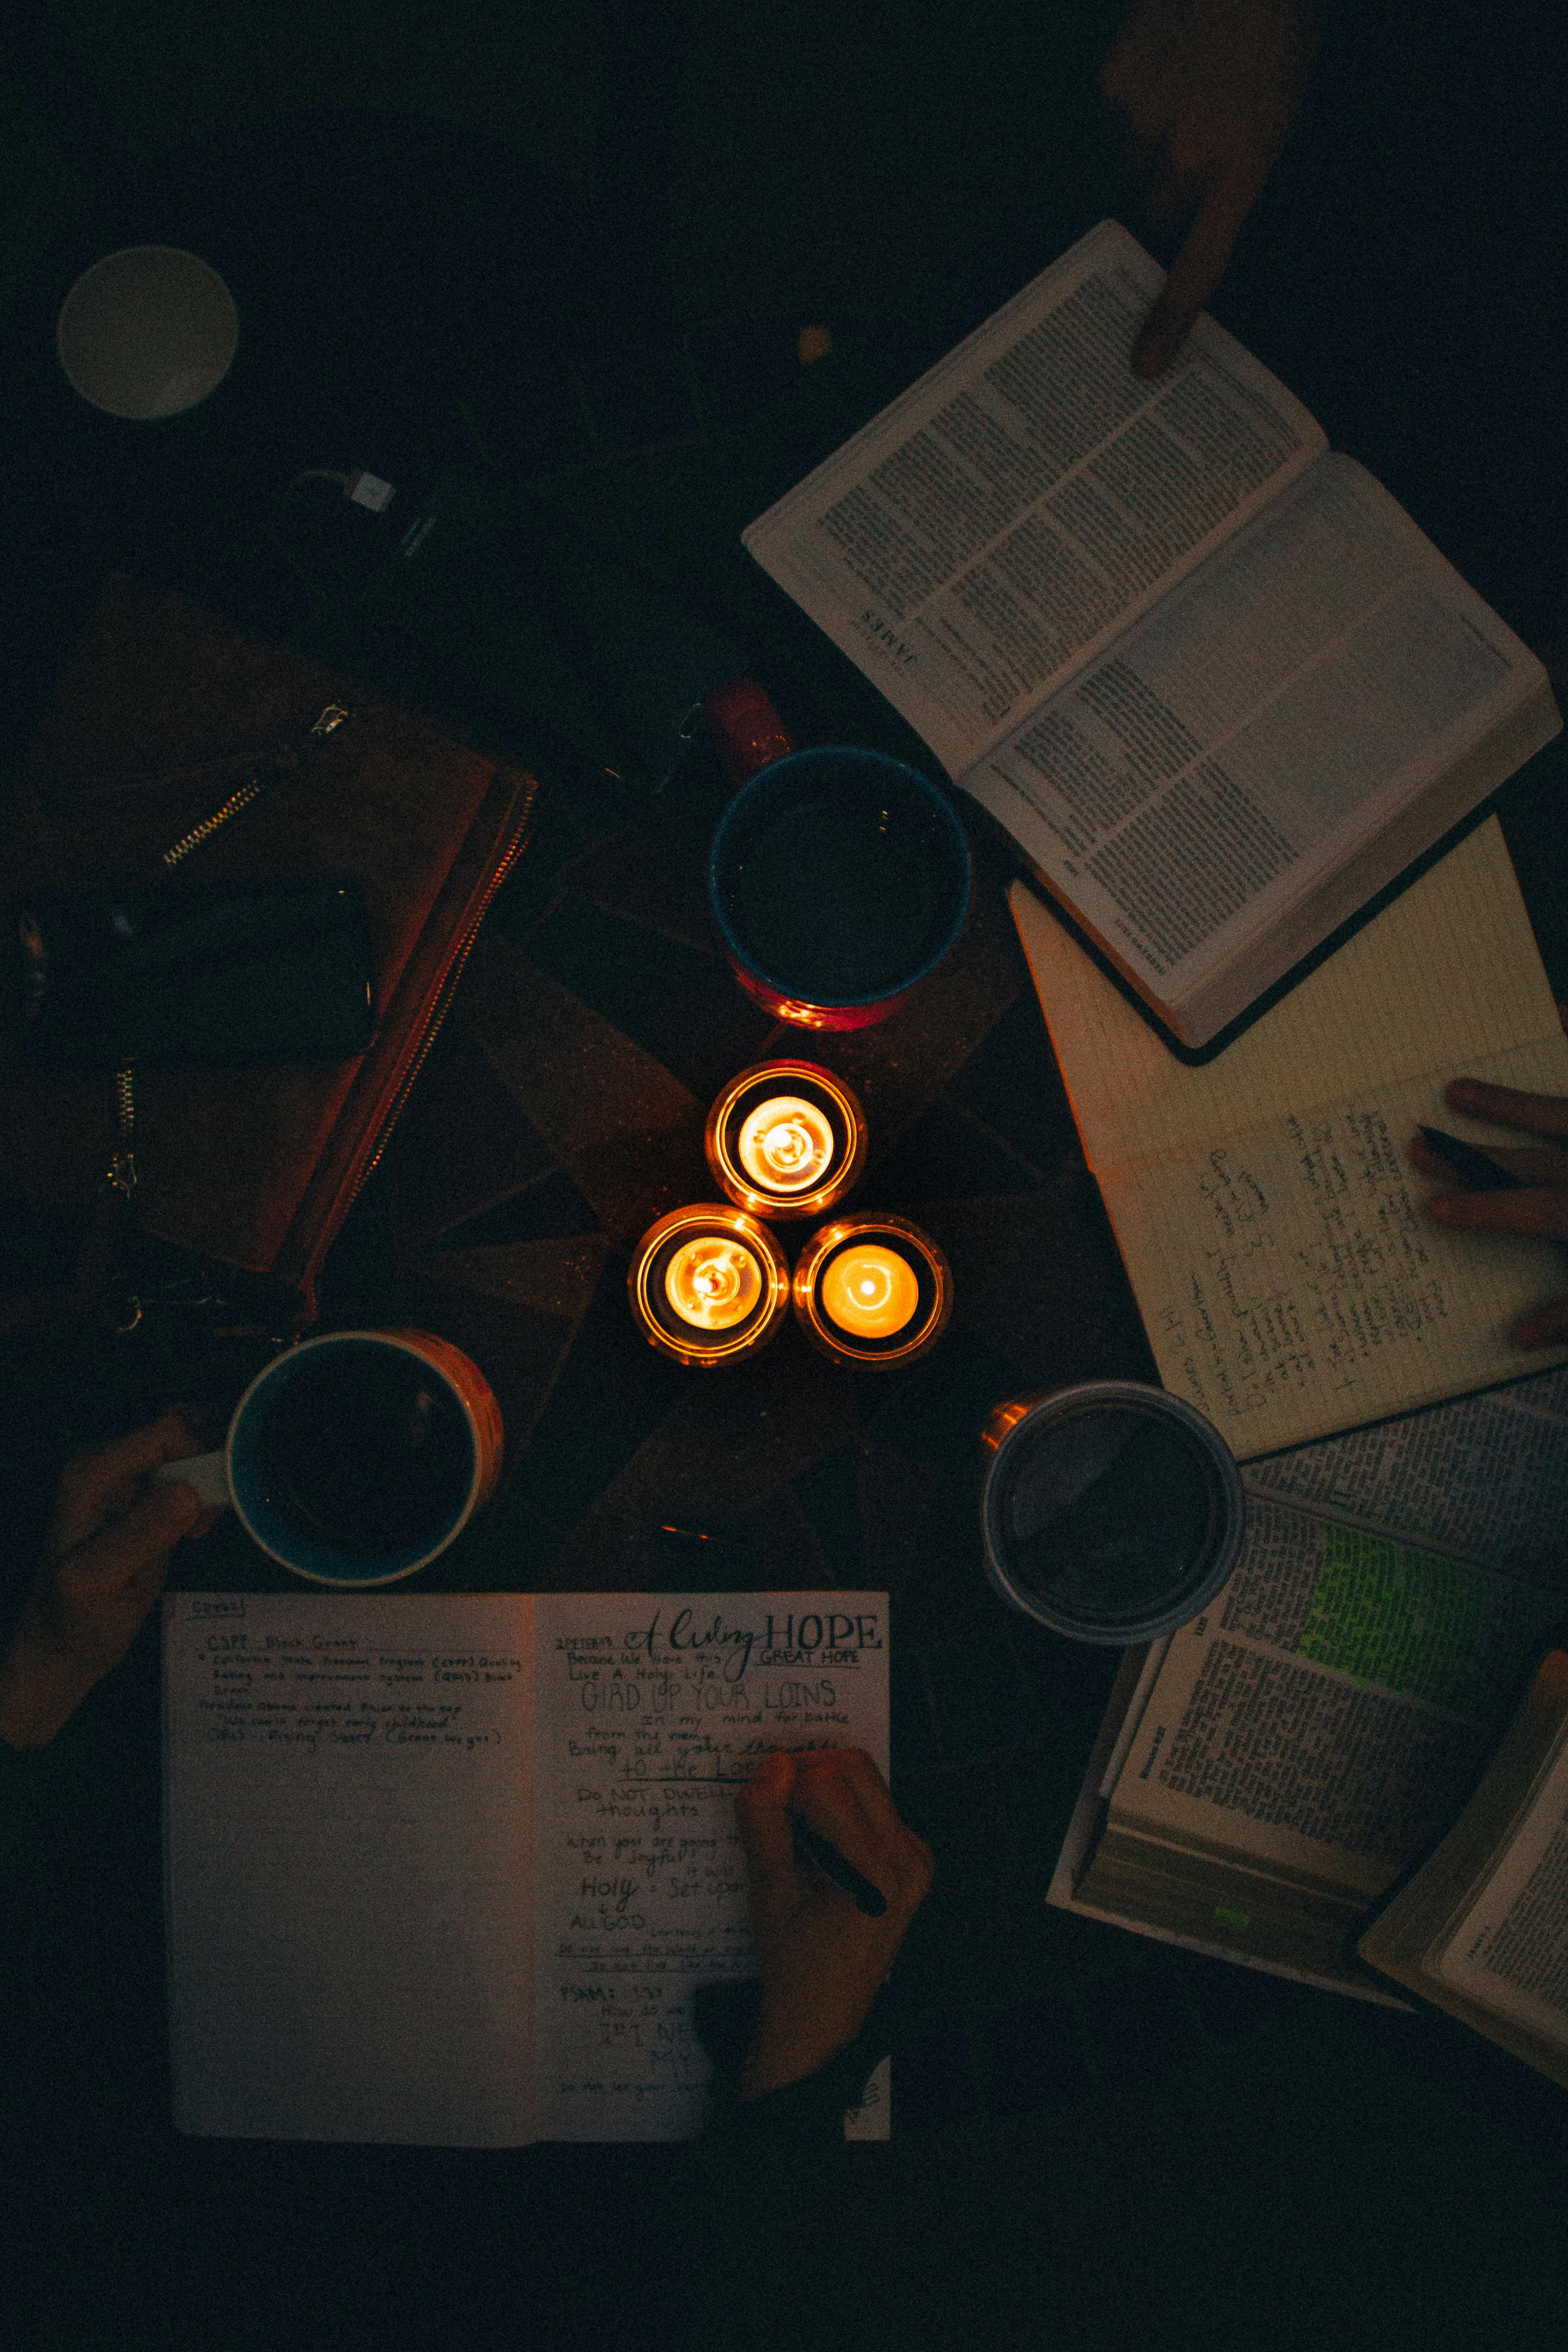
1447,976
652,1709
1266,1213
348,1814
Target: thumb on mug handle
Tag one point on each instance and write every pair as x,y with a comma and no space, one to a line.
207,1473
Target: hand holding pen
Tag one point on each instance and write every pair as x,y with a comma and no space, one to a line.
821,1954
1513,1192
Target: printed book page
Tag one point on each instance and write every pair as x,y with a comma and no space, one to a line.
998,525
1510,1952
1248,737
1068,1892
348,1812
1326,1718
652,1710
1484,1478
1447,974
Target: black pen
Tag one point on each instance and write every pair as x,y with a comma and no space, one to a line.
832,1865
1480,1171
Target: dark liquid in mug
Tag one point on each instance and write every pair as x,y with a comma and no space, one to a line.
1111,1513
366,1450
845,894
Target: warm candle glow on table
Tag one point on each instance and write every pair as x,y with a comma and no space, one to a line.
869,1292
785,1145
713,1282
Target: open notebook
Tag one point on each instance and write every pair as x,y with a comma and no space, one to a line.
445,1868
1266,1213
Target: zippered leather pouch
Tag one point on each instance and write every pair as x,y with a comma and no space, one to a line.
164,720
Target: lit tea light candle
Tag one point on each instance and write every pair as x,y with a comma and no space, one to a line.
869,1292
785,1145
786,1139
709,1285
713,1282
872,1290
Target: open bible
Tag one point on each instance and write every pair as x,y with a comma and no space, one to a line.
445,1868
1481,1929
1210,675
1266,1774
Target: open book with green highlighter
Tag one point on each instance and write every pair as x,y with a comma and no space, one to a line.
1264,1776
1209,674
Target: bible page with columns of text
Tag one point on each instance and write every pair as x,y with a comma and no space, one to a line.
1205,786
1002,521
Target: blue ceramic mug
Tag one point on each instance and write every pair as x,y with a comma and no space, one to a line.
355,1458
839,878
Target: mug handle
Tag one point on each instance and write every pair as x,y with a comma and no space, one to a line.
748,733
207,1473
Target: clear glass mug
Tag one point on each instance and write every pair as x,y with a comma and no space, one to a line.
1109,1511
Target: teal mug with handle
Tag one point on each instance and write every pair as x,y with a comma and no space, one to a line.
355,1458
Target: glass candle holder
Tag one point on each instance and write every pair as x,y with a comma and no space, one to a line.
786,1139
872,1290
709,1285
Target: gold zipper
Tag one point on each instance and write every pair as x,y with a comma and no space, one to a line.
330,719
121,1170
446,991
121,1173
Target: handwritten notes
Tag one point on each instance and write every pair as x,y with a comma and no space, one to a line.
1292,1284
1271,1224
348,1783
445,1868
650,1712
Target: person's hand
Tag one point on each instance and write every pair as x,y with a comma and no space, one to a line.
1208,91
106,1554
822,1960
1543,1208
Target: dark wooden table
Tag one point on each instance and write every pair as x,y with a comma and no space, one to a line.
560,1112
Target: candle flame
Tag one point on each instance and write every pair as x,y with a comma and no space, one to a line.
785,1145
870,1292
713,1282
